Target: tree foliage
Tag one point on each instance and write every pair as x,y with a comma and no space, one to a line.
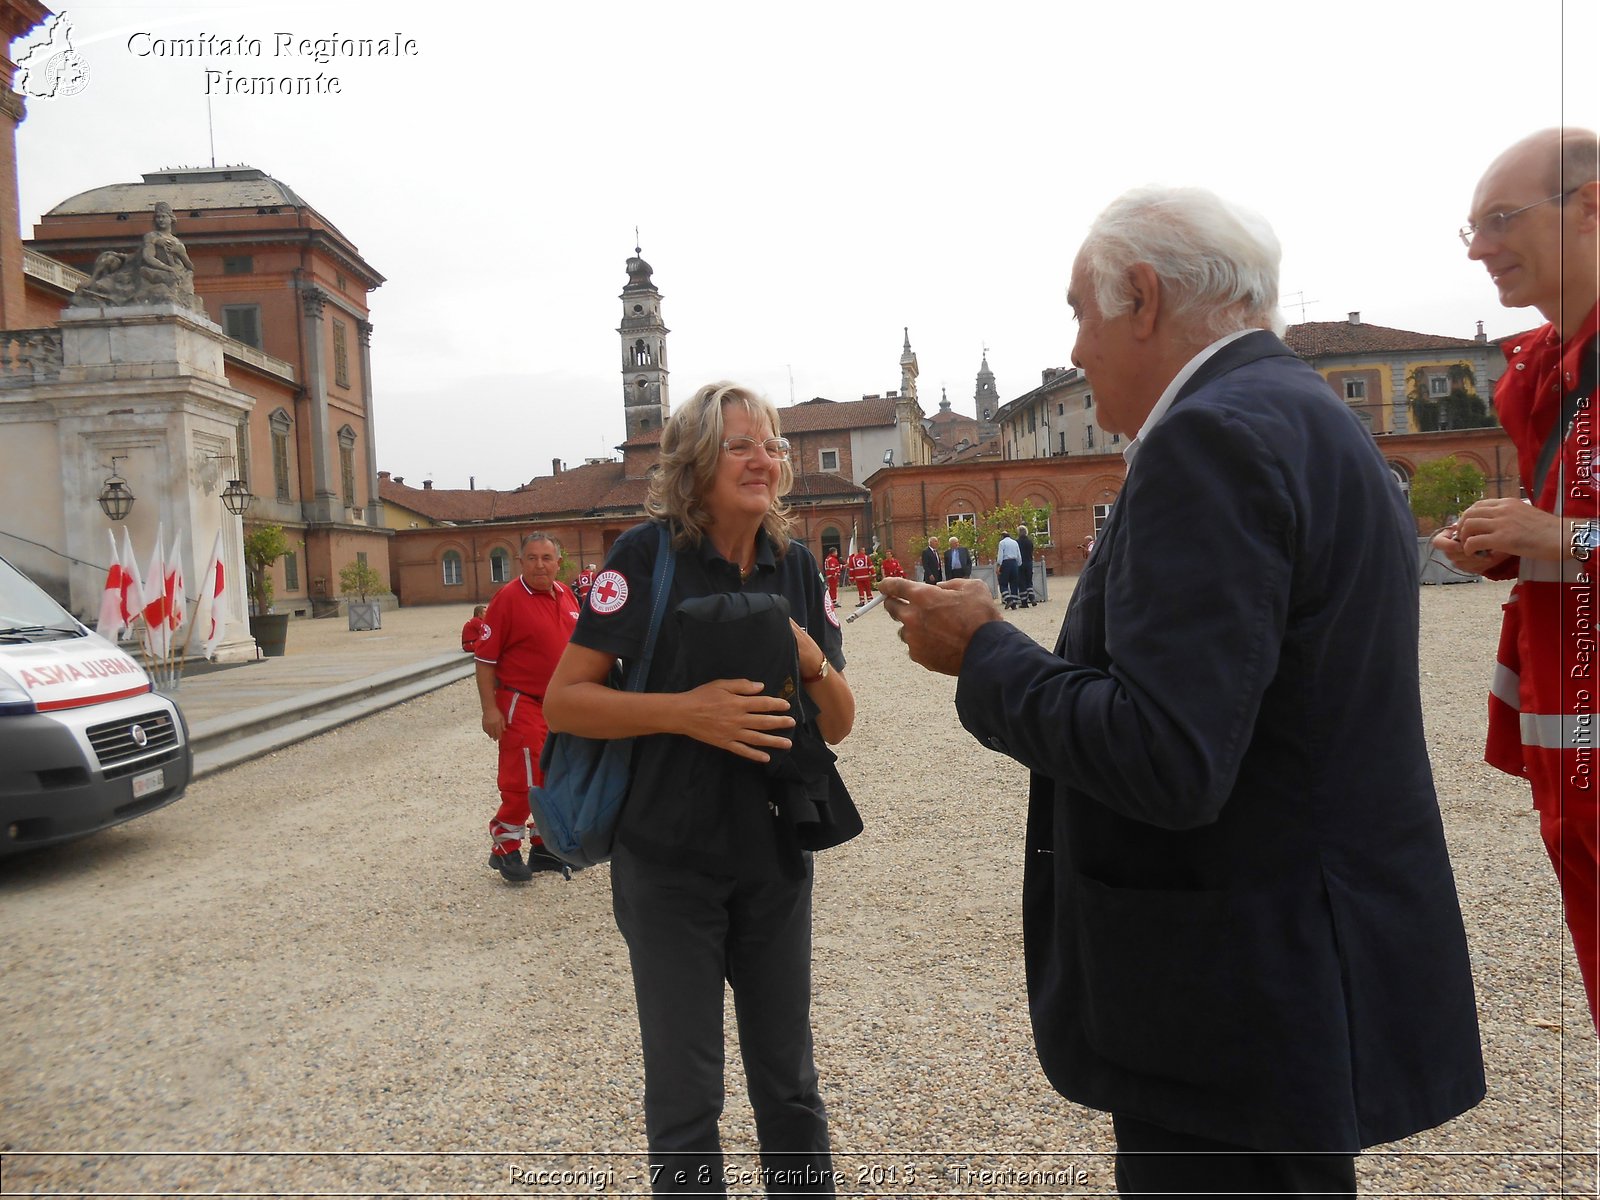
263,546
982,538
1003,519
1460,408
1441,489
359,579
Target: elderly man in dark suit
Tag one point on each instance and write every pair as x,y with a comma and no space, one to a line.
1241,926
932,571
957,560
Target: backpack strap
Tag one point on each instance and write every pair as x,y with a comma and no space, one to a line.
666,560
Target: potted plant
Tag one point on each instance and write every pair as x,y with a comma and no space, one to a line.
357,581
263,546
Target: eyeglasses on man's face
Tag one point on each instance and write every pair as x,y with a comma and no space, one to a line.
745,447
1494,224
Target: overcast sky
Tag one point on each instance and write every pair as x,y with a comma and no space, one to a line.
810,179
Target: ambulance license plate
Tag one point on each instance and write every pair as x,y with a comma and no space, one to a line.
150,781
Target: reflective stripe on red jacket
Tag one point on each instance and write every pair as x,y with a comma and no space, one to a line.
1544,719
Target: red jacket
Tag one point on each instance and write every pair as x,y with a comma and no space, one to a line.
1543,716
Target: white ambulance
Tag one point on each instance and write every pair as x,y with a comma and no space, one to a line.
86,742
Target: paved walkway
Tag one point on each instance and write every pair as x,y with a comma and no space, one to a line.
328,676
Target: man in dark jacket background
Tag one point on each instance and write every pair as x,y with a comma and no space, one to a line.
957,560
932,570
1240,922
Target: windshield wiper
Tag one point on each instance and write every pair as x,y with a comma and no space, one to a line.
28,633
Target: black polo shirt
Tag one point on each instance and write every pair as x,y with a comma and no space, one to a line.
691,803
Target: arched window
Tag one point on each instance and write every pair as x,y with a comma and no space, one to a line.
499,565
452,568
1401,477
280,424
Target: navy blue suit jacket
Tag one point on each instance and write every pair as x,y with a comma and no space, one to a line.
1239,915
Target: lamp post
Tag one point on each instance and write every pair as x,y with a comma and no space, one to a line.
116,497
236,498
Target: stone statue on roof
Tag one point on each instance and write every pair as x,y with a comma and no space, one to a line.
158,272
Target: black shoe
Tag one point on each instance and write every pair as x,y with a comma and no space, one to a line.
511,867
540,859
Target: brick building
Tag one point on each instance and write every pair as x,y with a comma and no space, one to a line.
909,503
290,292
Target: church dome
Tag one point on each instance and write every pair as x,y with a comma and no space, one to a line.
639,271
185,189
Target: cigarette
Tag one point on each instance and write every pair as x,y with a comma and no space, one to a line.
866,608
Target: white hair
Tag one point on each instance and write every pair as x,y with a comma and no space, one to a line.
1218,262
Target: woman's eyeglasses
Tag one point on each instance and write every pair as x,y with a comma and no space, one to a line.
745,447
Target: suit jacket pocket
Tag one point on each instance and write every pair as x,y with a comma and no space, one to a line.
1225,997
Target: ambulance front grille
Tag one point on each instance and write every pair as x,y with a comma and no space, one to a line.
119,748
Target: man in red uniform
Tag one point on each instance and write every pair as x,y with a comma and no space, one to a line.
861,575
891,566
526,629
830,571
582,584
1533,225
472,630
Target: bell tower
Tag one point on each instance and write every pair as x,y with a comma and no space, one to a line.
644,351
985,396
908,368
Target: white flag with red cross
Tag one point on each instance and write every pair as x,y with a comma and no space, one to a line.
155,601
173,585
212,589
132,601
110,622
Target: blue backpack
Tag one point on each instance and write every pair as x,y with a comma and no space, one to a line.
577,808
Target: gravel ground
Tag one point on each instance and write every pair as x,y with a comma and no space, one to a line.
304,979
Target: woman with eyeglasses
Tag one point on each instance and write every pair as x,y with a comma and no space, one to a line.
707,884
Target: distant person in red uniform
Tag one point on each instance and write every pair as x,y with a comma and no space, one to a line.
891,566
1535,226
831,569
861,575
472,630
582,584
526,629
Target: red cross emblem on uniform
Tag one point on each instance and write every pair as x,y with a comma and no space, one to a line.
610,592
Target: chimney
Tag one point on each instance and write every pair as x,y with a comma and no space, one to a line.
1355,318
385,474
427,485
555,466
472,483
1480,336
400,479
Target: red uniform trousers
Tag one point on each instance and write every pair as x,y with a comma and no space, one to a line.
520,746
1573,843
